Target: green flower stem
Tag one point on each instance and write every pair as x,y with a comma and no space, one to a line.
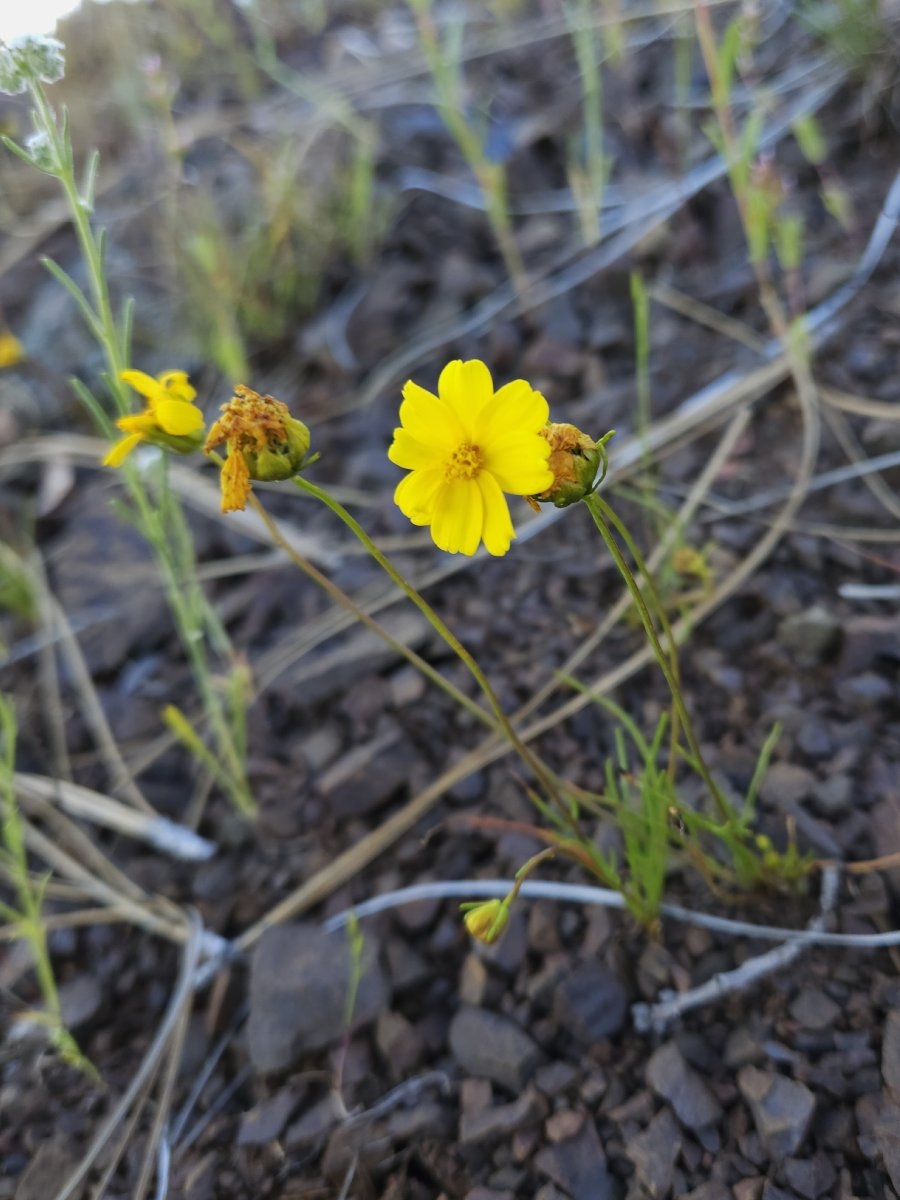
194,618
601,512
90,248
528,866
534,763
660,610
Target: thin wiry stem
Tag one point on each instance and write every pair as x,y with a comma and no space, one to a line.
525,753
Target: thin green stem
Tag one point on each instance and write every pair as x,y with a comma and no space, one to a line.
597,508
660,610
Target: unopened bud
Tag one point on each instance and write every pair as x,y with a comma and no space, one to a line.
486,921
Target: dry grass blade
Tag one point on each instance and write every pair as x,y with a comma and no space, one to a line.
840,427
82,802
164,1106
181,996
881,410
59,630
711,318
150,915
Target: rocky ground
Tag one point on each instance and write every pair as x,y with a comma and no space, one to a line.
467,1072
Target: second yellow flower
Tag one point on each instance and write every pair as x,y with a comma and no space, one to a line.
464,448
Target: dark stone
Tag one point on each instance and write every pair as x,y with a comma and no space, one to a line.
399,1042
711,1190
590,1003
890,1053
578,1166
810,1177
555,1077
51,1166
771,1192
672,1079
782,1109
300,977
814,740
489,1045
265,1121
313,1125
369,776
502,1120
887,1140
786,784
813,1009
865,691
654,1153
810,636
867,641
80,1000
833,796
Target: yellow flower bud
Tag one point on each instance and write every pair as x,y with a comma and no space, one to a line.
486,921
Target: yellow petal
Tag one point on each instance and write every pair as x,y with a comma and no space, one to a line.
122,449
408,452
497,526
516,408
142,422
178,418
177,385
145,385
235,482
430,419
467,387
458,516
414,495
519,463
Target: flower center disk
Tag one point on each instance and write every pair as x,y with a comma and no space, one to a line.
465,462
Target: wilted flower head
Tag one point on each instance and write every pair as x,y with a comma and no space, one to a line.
170,417
264,442
30,59
575,461
464,448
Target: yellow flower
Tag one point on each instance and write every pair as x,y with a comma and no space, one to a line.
486,921
11,349
464,448
264,442
170,417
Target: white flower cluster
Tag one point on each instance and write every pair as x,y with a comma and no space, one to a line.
30,59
